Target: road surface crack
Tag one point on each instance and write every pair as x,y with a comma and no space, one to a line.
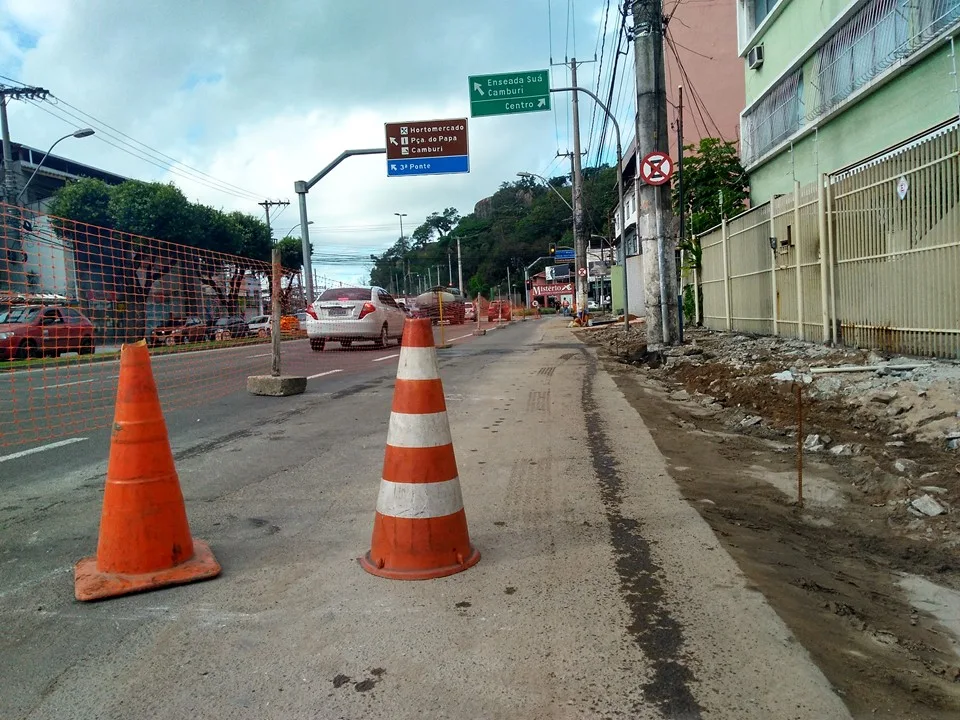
655,631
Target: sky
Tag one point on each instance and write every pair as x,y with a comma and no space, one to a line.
234,100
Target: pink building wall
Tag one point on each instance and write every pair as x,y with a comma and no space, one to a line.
704,35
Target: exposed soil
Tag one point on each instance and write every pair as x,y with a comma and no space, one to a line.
832,567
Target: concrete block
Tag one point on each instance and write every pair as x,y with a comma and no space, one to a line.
480,332
276,386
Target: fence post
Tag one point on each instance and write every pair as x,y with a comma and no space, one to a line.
824,266
797,249
726,275
773,274
831,253
275,312
696,292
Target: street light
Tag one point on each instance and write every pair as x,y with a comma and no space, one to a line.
287,233
82,133
544,181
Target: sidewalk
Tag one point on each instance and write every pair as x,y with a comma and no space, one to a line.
600,592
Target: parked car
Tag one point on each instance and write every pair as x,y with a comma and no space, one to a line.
231,326
302,319
469,311
179,331
34,330
260,325
454,305
498,310
354,313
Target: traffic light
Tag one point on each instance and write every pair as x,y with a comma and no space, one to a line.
529,284
553,249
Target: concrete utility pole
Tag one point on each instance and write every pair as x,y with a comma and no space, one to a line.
460,267
579,239
654,215
266,205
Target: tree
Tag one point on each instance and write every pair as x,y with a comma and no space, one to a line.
712,170
225,274
291,259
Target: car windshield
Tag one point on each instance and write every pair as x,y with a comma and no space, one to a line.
19,314
224,321
345,294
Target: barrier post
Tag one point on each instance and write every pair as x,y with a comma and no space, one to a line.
443,343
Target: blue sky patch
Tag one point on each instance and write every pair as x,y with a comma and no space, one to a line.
195,79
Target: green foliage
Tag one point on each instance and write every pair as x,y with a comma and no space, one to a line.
86,201
510,229
712,171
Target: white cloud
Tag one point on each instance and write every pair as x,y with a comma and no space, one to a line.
260,94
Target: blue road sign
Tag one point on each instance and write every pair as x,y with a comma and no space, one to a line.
565,255
429,166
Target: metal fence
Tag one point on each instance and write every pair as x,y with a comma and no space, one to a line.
869,257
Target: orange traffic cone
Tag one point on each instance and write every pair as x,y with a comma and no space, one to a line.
144,540
420,527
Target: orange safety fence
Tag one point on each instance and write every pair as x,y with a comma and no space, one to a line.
72,293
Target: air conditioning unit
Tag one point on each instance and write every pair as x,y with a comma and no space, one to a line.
755,57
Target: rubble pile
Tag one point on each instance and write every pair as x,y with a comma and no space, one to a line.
893,423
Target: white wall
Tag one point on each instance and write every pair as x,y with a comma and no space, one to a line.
50,259
635,285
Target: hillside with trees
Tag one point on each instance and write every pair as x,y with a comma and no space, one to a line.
510,229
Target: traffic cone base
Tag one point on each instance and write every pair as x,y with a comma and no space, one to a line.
144,540
93,584
420,527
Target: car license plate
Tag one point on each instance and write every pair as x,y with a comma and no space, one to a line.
336,311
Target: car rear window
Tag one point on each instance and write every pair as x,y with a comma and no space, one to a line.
337,294
20,314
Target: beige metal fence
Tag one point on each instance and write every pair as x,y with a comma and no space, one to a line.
869,257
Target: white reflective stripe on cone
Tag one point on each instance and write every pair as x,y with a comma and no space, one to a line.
419,500
419,430
418,363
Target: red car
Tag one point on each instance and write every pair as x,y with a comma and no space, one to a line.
35,330
498,310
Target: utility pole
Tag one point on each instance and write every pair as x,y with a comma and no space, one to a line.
654,215
579,241
266,205
449,267
10,189
509,288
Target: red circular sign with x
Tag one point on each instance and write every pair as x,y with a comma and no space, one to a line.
656,168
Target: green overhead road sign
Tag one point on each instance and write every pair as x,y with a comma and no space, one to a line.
509,93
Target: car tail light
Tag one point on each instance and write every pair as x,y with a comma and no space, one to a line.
311,312
366,310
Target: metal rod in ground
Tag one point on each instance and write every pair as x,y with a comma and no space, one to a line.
275,313
799,389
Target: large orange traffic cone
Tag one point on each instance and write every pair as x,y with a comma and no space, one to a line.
420,527
144,540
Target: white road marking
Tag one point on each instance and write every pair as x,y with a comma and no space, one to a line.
386,357
461,337
66,384
49,446
328,372
250,357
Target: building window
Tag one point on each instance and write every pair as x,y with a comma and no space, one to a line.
880,34
761,8
775,117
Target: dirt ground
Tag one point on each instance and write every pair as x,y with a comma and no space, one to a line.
869,584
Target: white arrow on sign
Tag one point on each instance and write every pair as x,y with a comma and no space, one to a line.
393,141
393,166
542,102
478,88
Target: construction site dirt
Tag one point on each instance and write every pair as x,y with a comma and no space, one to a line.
867,582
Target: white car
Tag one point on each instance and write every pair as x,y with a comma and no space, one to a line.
354,313
260,325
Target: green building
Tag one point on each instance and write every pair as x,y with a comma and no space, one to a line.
830,83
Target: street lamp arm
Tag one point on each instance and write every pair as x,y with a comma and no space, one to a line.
546,182
86,132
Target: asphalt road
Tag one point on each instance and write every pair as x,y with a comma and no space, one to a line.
60,403
600,592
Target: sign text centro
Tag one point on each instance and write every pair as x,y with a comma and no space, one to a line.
509,93
427,147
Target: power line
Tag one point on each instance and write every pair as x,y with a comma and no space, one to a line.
123,138
103,137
